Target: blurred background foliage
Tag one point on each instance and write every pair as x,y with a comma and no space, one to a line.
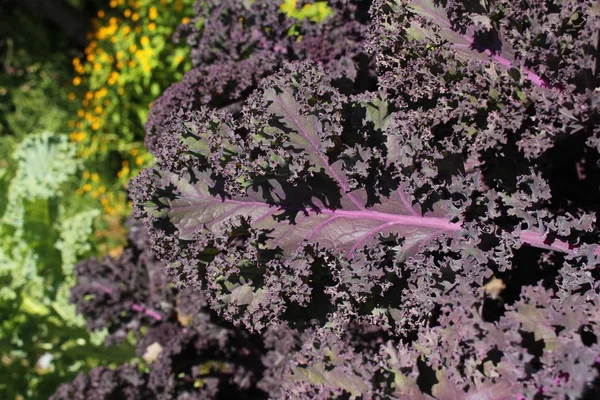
77,78
76,82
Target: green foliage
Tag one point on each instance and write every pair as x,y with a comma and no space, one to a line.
73,237
44,230
45,226
34,60
316,12
44,163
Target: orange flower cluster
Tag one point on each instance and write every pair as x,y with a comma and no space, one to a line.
120,52
128,49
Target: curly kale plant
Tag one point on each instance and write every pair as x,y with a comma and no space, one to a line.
432,236
187,349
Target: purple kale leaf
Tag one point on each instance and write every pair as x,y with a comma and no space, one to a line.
188,351
264,193
122,294
234,45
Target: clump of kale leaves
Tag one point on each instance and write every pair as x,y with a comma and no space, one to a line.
397,203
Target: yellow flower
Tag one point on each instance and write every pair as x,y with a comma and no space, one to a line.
185,20
77,137
113,3
131,64
139,160
97,67
135,17
91,57
86,175
113,78
98,110
95,177
151,26
102,189
127,13
132,48
96,125
101,14
145,41
76,81
133,152
87,187
80,113
101,93
152,13
114,39
126,30
71,96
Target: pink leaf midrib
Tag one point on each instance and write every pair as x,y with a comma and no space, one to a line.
407,220
531,238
